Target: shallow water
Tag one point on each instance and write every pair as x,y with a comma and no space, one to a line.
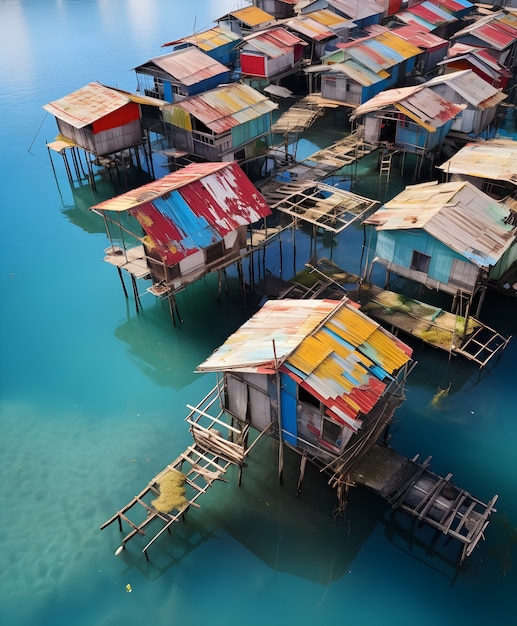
93,400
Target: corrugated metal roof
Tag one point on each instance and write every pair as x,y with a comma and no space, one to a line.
419,36
495,159
87,105
329,18
470,87
415,20
251,16
356,71
189,65
419,102
458,214
223,108
330,348
494,36
405,48
191,209
431,13
272,43
453,6
355,9
210,39
305,25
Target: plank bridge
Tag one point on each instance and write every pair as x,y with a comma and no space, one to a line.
430,499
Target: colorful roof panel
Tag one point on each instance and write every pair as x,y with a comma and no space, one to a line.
272,43
223,108
458,214
189,65
191,208
471,87
251,16
495,159
330,348
87,105
210,39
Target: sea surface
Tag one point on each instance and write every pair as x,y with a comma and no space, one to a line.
93,400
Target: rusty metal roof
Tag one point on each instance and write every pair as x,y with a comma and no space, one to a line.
222,108
191,209
357,10
87,105
310,28
471,87
498,30
494,159
334,351
273,43
419,36
209,39
188,65
418,102
250,16
458,214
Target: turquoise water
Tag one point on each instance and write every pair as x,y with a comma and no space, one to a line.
93,399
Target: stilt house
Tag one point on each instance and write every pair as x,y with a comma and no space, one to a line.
480,98
322,30
480,61
219,43
318,375
98,119
184,225
497,32
451,237
270,55
411,119
361,69
180,74
224,124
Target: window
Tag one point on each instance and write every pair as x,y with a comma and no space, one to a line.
420,262
332,432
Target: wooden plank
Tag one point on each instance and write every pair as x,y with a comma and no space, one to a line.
432,495
398,497
465,516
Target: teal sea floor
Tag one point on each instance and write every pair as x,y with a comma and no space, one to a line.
93,400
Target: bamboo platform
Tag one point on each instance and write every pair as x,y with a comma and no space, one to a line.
410,486
301,115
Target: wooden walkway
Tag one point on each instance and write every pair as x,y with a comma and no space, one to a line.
202,464
428,498
299,117
434,326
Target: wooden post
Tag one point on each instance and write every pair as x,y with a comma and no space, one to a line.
122,281
135,293
279,418
303,463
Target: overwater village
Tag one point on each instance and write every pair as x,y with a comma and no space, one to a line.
422,87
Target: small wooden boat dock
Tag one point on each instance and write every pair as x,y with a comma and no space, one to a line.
410,486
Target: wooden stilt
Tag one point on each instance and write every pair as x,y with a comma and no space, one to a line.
122,281
135,293
303,463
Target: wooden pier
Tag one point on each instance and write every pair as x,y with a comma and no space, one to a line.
404,483
430,499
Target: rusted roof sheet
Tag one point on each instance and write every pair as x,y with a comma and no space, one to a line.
87,105
458,214
210,39
306,26
191,209
189,65
330,348
471,87
419,36
330,19
272,43
453,6
419,102
250,16
431,13
357,10
495,159
222,108
498,30
354,70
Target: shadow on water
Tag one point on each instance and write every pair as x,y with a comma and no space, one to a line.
168,353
